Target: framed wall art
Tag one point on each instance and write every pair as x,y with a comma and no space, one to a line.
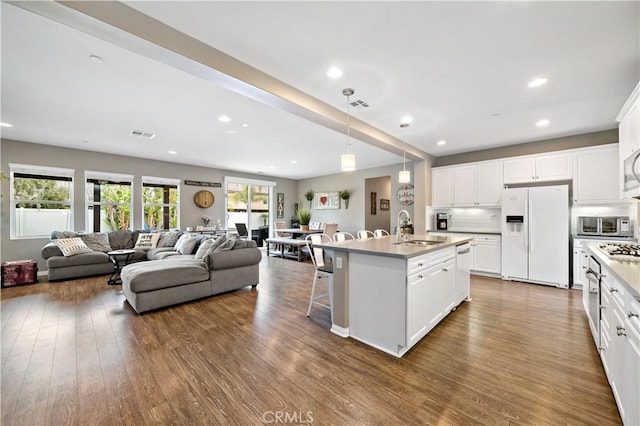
374,201
384,204
326,200
280,206
405,195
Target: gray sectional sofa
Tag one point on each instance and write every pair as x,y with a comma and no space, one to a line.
164,275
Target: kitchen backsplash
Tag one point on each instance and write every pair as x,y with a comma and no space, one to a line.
469,219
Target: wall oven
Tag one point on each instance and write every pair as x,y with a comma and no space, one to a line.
591,298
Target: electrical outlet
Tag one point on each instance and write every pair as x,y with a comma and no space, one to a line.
339,262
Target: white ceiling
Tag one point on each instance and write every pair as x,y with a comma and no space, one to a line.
450,65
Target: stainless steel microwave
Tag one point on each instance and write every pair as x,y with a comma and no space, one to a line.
632,175
605,226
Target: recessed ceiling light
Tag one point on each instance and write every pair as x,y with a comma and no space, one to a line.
231,132
224,119
440,143
172,152
272,167
334,72
96,59
5,125
143,135
543,123
406,119
245,125
294,161
539,81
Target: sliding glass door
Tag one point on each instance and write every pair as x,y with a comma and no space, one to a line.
248,202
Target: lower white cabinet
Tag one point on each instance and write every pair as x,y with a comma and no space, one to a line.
580,263
486,256
620,341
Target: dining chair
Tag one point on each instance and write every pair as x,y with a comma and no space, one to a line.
241,228
364,234
343,236
278,234
379,233
330,229
323,269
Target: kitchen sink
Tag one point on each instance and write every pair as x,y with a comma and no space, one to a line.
419,242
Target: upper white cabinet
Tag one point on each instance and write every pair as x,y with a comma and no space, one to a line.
596,175
479,184
443,187
628,131
538,168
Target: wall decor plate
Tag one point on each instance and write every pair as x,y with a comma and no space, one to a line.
405,194
204,199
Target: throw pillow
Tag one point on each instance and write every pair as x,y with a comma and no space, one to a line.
63,234
169,239
186,243
147,241
227,245
72,246
97,241
204,248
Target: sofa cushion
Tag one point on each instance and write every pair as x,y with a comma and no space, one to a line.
49,250
186,244
80,259
167,254
97,241
120,240
157,274
204,248
72,246
233,258
62,234
147,241
169,239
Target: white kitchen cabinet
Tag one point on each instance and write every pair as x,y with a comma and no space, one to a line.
478,185
487,253
580,262
443,187
589,186
538,168
628,132
620,341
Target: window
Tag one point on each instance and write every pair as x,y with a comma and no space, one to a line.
160,200
109,201
41,200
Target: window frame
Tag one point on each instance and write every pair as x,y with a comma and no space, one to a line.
38,172
166,184
110,178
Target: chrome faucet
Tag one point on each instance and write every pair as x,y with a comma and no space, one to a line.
401,236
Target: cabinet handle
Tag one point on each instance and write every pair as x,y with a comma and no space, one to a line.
445,269
420,277
632,314
613,290
584,267
619,327
620,333
419,264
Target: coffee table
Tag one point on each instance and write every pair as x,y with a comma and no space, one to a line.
119,258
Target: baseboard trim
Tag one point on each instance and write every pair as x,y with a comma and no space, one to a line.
340,331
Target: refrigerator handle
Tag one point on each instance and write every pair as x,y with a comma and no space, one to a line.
529,226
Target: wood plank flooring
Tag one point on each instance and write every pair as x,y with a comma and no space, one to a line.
76,353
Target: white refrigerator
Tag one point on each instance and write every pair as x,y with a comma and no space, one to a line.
535,235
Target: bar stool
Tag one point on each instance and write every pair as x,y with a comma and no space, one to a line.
379,233
342,236
364,234
323,269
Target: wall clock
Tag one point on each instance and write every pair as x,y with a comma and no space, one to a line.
204,199
405,195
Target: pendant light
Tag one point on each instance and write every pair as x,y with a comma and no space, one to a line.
348,160
405,175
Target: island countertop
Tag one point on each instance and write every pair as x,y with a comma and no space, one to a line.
388,246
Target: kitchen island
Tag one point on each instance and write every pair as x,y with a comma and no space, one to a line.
390,295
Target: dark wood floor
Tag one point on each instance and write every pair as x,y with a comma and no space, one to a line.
76,353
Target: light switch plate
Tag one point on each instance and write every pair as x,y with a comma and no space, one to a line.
339,262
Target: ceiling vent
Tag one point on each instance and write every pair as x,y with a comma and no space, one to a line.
143,135
359,104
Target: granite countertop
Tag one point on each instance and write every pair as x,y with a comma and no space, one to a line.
625,271
385,246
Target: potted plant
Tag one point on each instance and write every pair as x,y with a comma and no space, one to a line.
345,194
304,217
309,196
